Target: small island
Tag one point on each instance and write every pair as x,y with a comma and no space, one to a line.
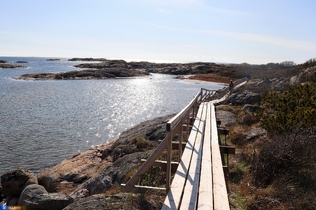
84,74
21,62
5,64
53,59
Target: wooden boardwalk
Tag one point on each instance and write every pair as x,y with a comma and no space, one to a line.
199,181
198,177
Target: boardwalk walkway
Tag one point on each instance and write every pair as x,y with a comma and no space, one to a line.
197,175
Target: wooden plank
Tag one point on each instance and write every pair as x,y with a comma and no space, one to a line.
190,194
219,184
206,185
173,198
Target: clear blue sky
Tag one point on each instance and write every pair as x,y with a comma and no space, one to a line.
232,31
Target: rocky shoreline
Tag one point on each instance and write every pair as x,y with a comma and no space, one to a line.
91,179
80,176
101,68
96,173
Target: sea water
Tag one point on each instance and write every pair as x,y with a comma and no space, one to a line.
44,122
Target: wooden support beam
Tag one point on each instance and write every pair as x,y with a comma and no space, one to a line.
175,145
129,186
163,165
143,189
223,131
228,149
226,171
187,127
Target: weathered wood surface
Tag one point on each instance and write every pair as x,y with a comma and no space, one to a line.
173,199
199,182
206,187
219,185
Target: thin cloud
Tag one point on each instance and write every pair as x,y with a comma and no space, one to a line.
161,26
228,12
179,2
301,45
164,11
278,41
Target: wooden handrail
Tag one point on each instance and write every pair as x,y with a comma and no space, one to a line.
174,126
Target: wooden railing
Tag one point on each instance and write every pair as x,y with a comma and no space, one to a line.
179,130
199,182
180,125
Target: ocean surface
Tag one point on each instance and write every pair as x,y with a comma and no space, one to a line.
44,122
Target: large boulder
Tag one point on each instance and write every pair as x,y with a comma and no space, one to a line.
153,130
227,118
95,202
14,182
71,173
49,201
306,75
250,107
255,133
112,175
31,191
243,98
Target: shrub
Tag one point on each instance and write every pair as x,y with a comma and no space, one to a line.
248,119
291,154
291,108
311,62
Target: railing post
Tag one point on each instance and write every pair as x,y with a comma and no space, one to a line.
169,157
180,140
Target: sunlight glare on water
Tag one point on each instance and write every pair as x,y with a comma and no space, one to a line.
44,122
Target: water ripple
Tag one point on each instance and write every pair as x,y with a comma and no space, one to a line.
44,122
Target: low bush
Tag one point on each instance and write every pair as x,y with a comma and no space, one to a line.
295,107
292,153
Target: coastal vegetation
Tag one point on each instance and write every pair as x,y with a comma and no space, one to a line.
276,170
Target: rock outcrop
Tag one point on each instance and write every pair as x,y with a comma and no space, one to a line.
31,191
87,59
4,64
71,173
100,167
89,173
49,201
15,181
246,97
304,75
85,74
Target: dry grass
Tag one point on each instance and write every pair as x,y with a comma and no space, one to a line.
289,187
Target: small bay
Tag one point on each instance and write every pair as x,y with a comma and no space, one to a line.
44,122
